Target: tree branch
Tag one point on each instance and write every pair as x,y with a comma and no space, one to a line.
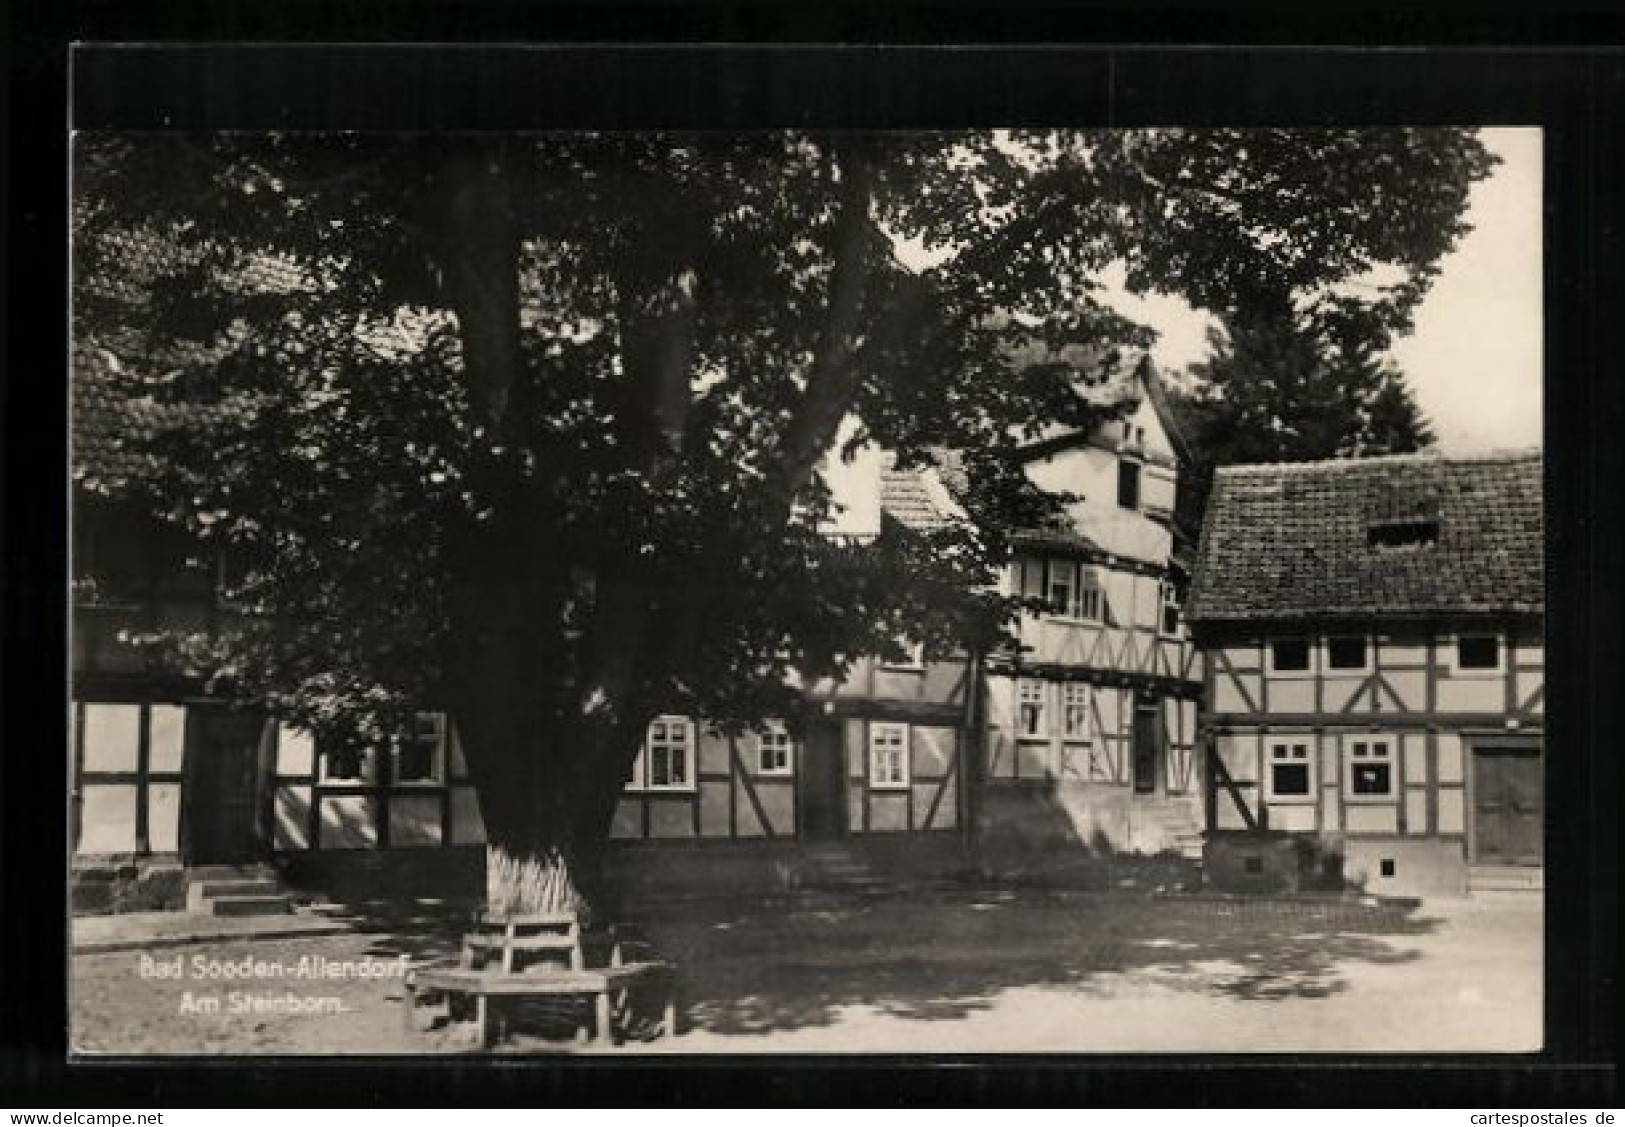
833,378
480,252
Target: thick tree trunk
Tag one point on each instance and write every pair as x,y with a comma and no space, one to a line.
550,723
548,791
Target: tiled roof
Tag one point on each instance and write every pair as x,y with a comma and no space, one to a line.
916,500
124,377
1057,539
114,423
1411,535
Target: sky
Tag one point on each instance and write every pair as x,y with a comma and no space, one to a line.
1474,355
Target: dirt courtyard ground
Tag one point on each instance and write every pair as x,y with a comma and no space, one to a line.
940,972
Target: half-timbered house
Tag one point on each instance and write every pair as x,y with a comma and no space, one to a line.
1373,633
1091,736
167,779
1084,734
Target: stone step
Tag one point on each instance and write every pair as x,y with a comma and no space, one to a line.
254,905
1506,878
199,893
239,887
250,870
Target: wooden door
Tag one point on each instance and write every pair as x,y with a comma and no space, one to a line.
1508,822
822,784
222,786
1147,748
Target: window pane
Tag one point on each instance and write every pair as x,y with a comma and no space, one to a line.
1089,604
1032,578
1373,778
1346,653
344,762
1290,778
415,761
1480,652
1170,619
1290,654
1128,484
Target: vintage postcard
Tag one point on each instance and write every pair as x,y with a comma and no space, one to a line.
807,591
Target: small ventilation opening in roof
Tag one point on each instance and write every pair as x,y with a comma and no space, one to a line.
1399,535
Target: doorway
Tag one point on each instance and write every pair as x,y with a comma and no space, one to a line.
1508,811
222,786
822,790
1147,752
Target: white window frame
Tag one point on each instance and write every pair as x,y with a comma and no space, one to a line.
1124,461
1085,599
1452,652
1370,743
1091,604
1309,758
642,771
1031,690
1368,656
914,662
1269,657
887,738
1066,606
781,742
1079,695
1168,599
437,778
369,768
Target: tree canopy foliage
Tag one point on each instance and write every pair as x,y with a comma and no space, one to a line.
536,425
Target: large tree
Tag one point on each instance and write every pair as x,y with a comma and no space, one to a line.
535,425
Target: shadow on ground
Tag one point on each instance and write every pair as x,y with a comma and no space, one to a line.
950,956
770,966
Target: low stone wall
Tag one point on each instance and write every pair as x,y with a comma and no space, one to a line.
1407,866
1278,861
100,886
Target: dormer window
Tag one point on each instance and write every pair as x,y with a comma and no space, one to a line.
1402,535
1128,483
1403,516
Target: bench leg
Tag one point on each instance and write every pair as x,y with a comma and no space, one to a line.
600,1005
409,1008
668,1013
482,1021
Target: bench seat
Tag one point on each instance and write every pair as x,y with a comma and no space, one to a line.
486,983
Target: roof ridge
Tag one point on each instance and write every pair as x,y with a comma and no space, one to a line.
1418,457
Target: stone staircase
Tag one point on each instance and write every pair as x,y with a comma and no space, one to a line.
1506,878
1167,825
836,866
235,890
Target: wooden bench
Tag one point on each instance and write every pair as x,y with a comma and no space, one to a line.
485,985
515,941
537,956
